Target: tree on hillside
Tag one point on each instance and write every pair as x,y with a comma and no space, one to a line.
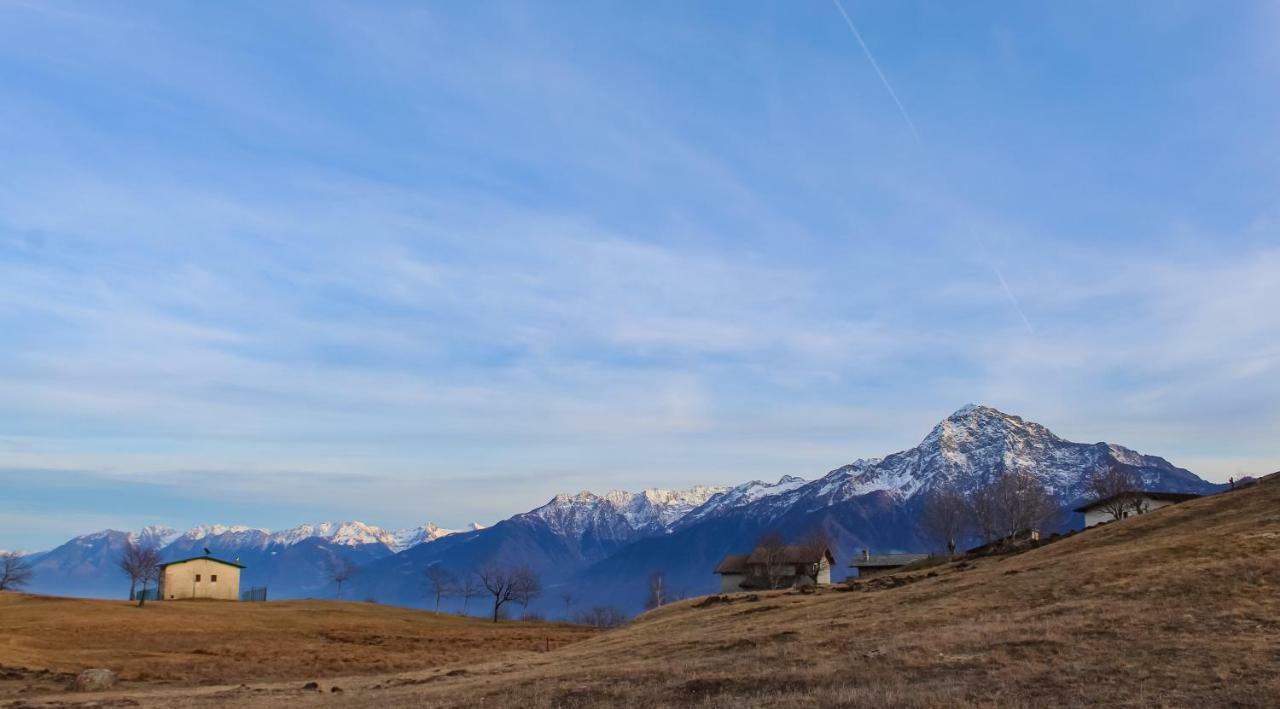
15,572
440,583
770,550
567,598
129,564
339,569
983,511
813,545
815,541
528,586
657,593
147,559
141,563
506,584
945,517
1022,503
1115,487
468,588
602,617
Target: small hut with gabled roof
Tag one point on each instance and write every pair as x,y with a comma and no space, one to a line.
780,567
200,577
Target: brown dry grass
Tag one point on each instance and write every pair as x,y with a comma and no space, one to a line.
45,640
1177,608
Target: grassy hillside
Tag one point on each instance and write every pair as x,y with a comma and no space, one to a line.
1179,607
45,640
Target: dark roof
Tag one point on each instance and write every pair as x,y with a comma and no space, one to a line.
885,560
790,554
733,564
1166,496
793,554
198,558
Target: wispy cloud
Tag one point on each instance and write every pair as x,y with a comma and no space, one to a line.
457,259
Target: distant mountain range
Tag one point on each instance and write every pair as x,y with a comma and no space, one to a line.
291,562
601,548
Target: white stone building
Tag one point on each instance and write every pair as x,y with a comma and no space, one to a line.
1125,504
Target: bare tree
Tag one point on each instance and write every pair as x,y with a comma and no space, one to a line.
1022,503
340,569
505,584
1116,488
148,561
983,511
130,564
657,594
1138,505
142,565
468,588
440,583
567,598
602,617
945,516
815,545
769,552
528,586
15,572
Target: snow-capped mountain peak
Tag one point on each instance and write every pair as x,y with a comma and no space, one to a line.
349,534
743,494
973,444
619,514
339,533
214,530
152,536
429,532
155,536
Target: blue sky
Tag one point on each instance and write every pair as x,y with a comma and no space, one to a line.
266,263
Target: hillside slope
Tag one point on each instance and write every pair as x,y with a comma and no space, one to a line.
45,641
1179,607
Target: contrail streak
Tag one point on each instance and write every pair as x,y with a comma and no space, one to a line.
883,79
1013,300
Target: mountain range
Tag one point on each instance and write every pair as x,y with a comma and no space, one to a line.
591,549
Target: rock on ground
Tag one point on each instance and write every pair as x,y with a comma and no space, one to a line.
94,680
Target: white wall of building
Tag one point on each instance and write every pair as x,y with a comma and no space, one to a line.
1099,516
731,583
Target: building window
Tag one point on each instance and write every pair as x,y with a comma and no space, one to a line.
213,578
197,578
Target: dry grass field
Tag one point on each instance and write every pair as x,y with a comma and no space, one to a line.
1176,608
45,641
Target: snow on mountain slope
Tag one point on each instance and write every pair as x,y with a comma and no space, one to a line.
348,534
429,532
619,514
967,448
153,535
870,504
743,494
228,538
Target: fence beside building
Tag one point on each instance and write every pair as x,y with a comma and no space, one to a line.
256,593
